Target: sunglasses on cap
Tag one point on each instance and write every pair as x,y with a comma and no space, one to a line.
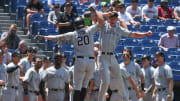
17,55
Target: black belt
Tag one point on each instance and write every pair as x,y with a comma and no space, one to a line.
130,88
55,89
107,53
95,90
14,87
35,92
83,57
161,89
114,91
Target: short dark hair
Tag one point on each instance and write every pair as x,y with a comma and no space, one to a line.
129,51
151,0
135,1
146,57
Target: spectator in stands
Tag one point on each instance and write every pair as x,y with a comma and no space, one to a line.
11,37
54,15
65,21
149,11
22,48
74,10
33,7
126,16
134,10
51,3
165,12
7,55
177,13
169,40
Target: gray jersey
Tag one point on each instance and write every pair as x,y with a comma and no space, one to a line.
13,77
3,72
110,36
83,40
97,77
161,76
32,77
148,76
25,64
125,76
56,78
134,70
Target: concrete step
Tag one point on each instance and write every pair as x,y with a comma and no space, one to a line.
23,36
4,14
7,21
47,53
5,17
39,45
1,10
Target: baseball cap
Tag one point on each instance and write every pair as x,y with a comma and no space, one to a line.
159,53
164,0
114,14
170,28
104,4
16,54
47,58
146,57
135,1
56,6
138,61
32,49
67,5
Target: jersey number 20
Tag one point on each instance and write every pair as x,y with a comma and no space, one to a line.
83,40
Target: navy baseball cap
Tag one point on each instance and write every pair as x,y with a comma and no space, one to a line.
47,58
16,54
114,14
146,57
159,53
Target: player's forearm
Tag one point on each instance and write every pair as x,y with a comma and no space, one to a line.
138,35
133,84
100,18
155,90
170,86
51,37
123,24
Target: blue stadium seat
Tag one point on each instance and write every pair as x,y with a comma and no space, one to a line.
140,50
37,17
146,28
132,28
131,42
154,22
175,65
155,36
161,29
127,1
175,2
148,43
171,22
21,11
119,49
153,50
178,29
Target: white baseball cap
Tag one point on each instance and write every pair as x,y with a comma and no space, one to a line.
170,28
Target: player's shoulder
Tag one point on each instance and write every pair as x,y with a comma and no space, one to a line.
24,59
167,67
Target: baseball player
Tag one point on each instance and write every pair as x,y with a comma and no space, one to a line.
109,37
126,77
148,72
163,78
32,80
2,73
84,46
135,72
57,80
46,64
10,92
26,63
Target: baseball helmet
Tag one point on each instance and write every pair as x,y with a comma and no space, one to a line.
78,23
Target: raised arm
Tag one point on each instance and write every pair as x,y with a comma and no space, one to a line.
140,35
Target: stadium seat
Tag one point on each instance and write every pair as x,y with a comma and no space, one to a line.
148,43
146,28
127,1
175,65
21,11
119,49
162,29
178,29
154,22
170,22
140,50
131,42
37,17
153,50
